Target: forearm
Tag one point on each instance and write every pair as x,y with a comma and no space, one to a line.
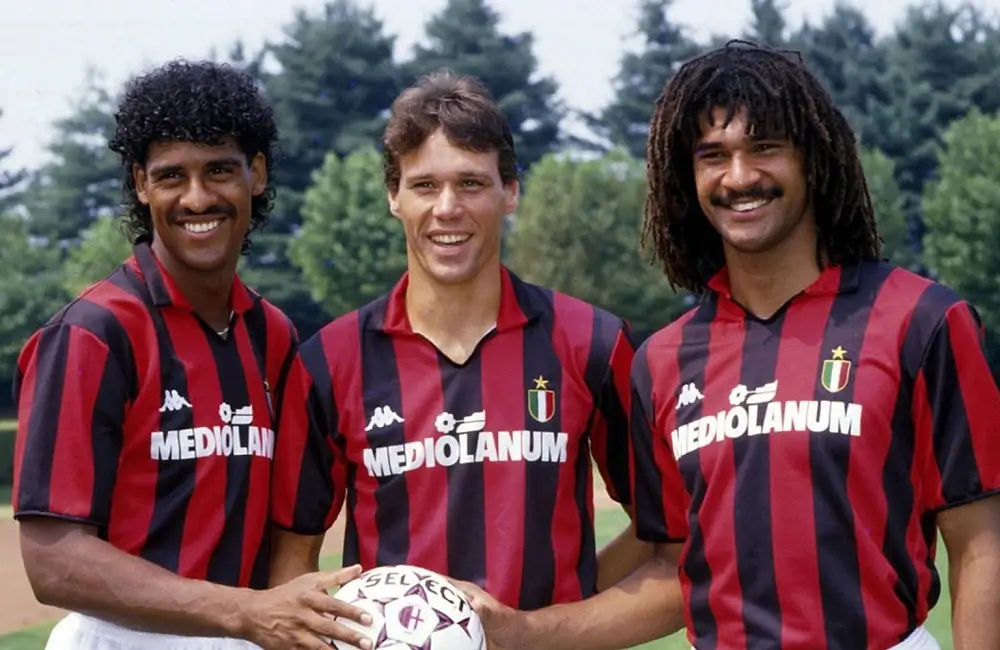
620,557
293,555
85,574
645,606
975,596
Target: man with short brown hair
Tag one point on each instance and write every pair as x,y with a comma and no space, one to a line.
457,415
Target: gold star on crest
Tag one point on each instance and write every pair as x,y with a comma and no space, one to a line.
540,383
839,352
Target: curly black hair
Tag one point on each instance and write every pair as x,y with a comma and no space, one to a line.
195,102
782,98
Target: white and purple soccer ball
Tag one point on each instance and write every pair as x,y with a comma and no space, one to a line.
412,609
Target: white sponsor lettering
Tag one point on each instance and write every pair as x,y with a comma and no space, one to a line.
448,450
822,417
200,442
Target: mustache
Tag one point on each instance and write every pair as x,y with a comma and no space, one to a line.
215,210
753,194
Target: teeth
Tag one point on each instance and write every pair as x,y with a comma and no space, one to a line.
450,239
205,226
747,206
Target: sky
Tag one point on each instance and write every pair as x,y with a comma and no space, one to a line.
48,46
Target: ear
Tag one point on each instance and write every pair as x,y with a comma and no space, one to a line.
258,174
140,179
393,203
512,191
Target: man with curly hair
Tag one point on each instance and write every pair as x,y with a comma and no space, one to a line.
146,426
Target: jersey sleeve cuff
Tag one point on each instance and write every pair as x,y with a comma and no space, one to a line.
27,514
658,538
305,531
966,500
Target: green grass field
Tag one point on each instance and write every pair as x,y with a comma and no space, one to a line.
609,524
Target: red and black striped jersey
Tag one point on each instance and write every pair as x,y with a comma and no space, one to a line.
481,470
802,459
135,417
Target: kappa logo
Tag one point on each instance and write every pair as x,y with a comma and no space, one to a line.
383,417
541,400
172,401
836,371
689,395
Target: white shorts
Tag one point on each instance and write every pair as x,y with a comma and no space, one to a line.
921,639
79,632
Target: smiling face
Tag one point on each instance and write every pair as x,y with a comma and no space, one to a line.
752,189
199,198
452,203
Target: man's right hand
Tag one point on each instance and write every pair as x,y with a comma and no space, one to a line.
501,624
300,614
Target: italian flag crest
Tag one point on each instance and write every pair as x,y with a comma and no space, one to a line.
541,401
836,371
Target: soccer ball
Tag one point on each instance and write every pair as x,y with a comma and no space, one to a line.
411,609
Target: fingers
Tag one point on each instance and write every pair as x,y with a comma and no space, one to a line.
326,604
334,630
337,577
478,598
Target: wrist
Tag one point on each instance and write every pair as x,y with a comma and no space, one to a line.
530,629
234,616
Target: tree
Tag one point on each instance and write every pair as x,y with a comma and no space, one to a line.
336,81
83,181
890,208
350,249
641,78
102,247
844,52
767,22
577,231
30,292
11,181
465,37
962,240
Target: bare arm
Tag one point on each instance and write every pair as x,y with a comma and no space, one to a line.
645,606
621,556
293,555
69,567
972,536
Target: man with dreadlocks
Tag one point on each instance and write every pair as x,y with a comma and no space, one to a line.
804,432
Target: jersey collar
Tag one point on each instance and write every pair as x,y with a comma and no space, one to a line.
514,312
164,290
832,281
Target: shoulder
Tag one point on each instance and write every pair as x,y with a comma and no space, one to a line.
99,320
105,309
924,302
579,321
339,341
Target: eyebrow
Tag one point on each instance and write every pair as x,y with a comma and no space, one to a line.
420,178
224,161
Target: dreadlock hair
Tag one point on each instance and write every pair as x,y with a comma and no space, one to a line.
193,102
781,99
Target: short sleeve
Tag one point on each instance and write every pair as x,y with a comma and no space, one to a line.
308,484
72,395
956,408
659,496
609,430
